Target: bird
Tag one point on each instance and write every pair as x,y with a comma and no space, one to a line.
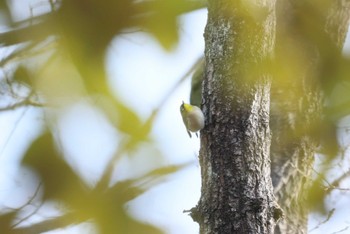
192,117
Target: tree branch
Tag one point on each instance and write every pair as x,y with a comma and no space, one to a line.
25,102
26,204
49,225
330,214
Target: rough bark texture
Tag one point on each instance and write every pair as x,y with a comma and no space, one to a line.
309,36
237,194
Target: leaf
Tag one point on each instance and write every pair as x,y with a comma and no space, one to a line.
125,119
107,208
22,75
163,171
316,196
59,180
327,136
128,121
6,221
125,191
5,13
159,18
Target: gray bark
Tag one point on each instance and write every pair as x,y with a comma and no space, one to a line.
237,194
234,156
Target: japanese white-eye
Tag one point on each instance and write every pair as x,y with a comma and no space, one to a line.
193,118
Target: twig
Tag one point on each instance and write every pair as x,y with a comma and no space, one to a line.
25,102
28,216
106,177
12,131
25,51
36,32
335,184
330,214
341,230
321,176
26,204
32,197
15,54
50,224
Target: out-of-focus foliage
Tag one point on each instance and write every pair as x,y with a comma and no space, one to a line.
104,206
308,74
58,59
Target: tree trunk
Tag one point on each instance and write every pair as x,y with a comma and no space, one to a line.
235,143
237,194
309,38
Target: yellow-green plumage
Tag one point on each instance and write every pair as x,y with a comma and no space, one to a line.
192,117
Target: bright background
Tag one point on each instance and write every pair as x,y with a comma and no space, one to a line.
141,73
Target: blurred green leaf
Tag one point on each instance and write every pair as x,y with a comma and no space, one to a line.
163,171
5,16
325,131
125,191
105,207
316,197
128,121
159,18
22,75
161,21
135,187
125,119
6,221
59,180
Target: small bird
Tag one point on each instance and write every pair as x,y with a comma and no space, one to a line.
193,118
